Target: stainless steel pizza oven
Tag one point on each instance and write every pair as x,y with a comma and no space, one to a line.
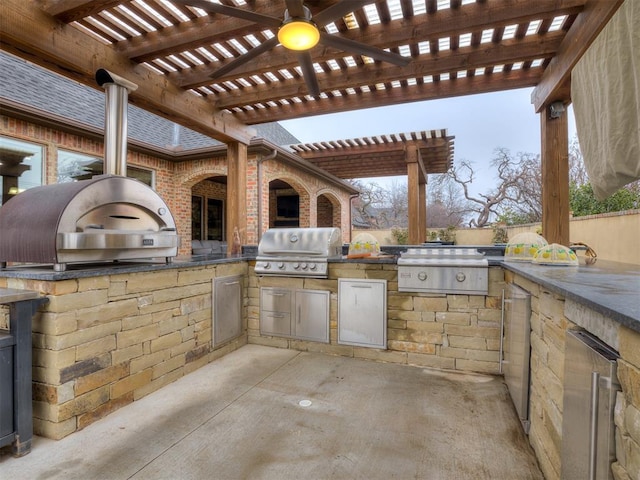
298,252
105,218
108,217
443,270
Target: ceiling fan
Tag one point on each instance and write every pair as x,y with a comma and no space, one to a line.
298,30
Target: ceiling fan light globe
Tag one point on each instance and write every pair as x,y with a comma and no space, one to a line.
298,34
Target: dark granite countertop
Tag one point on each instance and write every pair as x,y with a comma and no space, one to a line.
46,272
609,288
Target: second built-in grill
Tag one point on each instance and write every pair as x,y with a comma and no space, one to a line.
443,270
298,252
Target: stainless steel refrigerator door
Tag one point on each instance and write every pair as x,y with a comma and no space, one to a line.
227,309
517,348
590,386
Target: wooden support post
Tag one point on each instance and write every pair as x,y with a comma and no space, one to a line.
555,177
422,199
236,192
413,203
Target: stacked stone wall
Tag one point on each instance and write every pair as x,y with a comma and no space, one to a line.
551,317
104,342
458,332
627,412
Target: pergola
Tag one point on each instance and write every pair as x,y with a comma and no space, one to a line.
415,154
454,47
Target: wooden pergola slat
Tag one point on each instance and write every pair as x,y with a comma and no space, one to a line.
171,54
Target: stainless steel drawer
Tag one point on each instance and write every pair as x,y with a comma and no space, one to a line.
443,279
275,300
275,323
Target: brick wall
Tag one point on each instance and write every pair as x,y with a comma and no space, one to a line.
310,189
460,332
325,217
209,189
174,180
104,342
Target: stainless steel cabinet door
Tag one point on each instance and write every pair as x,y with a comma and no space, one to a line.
227,309
362,312
517,348
312,315
590,386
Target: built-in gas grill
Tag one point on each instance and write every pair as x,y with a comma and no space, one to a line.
443,270
298,252
109,217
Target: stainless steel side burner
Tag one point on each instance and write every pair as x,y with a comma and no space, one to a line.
443,270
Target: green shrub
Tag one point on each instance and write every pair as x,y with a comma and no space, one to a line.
400,235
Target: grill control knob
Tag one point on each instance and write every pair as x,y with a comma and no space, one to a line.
313,266
281,265
296,266
267,265
422,276
305,266
461,277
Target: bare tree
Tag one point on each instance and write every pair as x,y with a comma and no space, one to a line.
396,207
518,187
365,208
527,177
446,205
577,170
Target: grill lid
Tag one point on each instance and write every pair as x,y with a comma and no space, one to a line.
298,252
301,242
469,257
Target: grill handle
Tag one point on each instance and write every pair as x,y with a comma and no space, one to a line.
291,252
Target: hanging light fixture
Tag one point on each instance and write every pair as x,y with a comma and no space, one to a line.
298,33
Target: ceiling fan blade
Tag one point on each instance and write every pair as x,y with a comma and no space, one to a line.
296,8
211,7
338,10
242,59
309,73
362,49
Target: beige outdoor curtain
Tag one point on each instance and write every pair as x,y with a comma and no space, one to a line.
605,91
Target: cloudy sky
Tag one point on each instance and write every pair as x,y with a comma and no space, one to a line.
480,124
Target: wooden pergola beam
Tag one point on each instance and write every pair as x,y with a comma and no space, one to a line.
32,34
443,23
554,85
494,82
509,51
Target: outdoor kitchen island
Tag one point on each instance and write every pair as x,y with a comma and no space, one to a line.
115,332
112,335
462,332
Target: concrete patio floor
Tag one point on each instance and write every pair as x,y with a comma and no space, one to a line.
240,417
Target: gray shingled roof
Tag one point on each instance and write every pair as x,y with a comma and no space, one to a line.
30,85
